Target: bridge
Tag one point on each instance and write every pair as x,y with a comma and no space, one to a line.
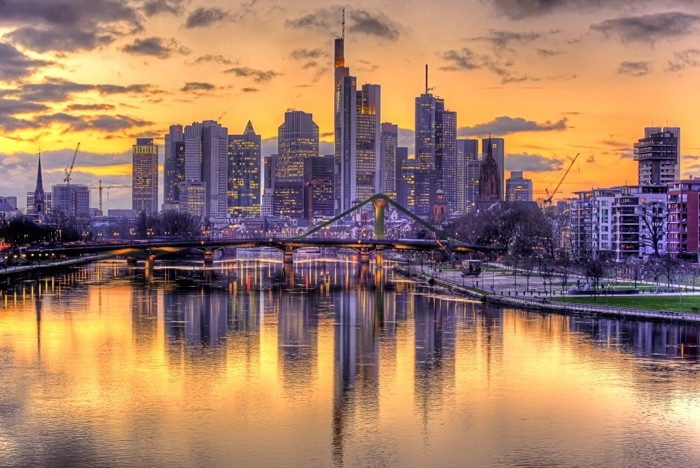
154,248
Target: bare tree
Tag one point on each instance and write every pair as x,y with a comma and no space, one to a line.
652,216
594,270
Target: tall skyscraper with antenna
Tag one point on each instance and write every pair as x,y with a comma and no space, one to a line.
357,118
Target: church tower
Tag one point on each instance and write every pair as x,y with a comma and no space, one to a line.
489,181
39,196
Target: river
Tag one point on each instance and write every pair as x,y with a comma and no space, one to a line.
101,366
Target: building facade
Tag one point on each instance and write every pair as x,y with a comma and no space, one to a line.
72,201
387,160
319,196
658,156
497,148
244,163
144,176
683,219
518,188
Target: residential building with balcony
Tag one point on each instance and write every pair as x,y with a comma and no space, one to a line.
683,229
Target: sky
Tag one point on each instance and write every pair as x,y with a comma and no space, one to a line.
554,78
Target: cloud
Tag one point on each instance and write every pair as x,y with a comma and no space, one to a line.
12,107
378,25
259,76
58,90
531,163
15,64
506,125
220,59
197,86
309,57
106,123
359,21
464,59
250,90
156,47
640,68
203,17
156,7
548,52
522,9
649,29
68,25
90,107
688,58
502,39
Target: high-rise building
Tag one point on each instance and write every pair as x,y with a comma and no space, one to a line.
357,117
144,176
206,160
498,151
72,201
468,151
297,140
658,155
405,178
173,166
319,200
244,173
683,221
389,140
518,188
446,151
436,150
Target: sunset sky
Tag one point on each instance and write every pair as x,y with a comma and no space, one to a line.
553,77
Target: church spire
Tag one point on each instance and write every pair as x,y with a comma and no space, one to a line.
39,202
39,178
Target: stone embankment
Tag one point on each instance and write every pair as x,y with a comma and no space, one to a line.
49,265
503,298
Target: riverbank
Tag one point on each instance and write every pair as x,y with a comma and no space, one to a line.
452,281
48,265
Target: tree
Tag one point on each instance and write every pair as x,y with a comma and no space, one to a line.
594,271
653,222
669,265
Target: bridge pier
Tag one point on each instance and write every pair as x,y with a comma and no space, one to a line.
288,257
149,264
131,262
364,256
208,258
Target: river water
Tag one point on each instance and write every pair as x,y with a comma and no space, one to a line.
105,367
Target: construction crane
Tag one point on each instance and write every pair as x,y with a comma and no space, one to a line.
69,169
548,200
99,187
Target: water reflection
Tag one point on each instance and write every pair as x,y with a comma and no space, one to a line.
344,368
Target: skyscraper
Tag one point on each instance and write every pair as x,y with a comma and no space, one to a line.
318,187
297,140
468,152
389,140
436,150
244,173
357,117
498,151
206,160
144,176
658,155
73,201
173,166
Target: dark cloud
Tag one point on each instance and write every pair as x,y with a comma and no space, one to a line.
688,58
532,163
250,90
506,125
58,90
503,39
359,22
156,47
15,64
12,107
649,28
90,107
11,124
259,76
67,25
548,52
640,68
521,9
220,59
196,86
308,57
106,123
156,7
464,59
203,17
364,22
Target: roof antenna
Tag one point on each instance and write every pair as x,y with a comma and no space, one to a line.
343,31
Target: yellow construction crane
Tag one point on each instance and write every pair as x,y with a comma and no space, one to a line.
548,200
69,169
99,187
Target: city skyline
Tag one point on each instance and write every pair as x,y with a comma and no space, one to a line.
553,80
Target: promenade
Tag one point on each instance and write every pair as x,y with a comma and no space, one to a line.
497,285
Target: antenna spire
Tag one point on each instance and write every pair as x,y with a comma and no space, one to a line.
427,89
343,30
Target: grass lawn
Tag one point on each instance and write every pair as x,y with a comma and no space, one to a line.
650,302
